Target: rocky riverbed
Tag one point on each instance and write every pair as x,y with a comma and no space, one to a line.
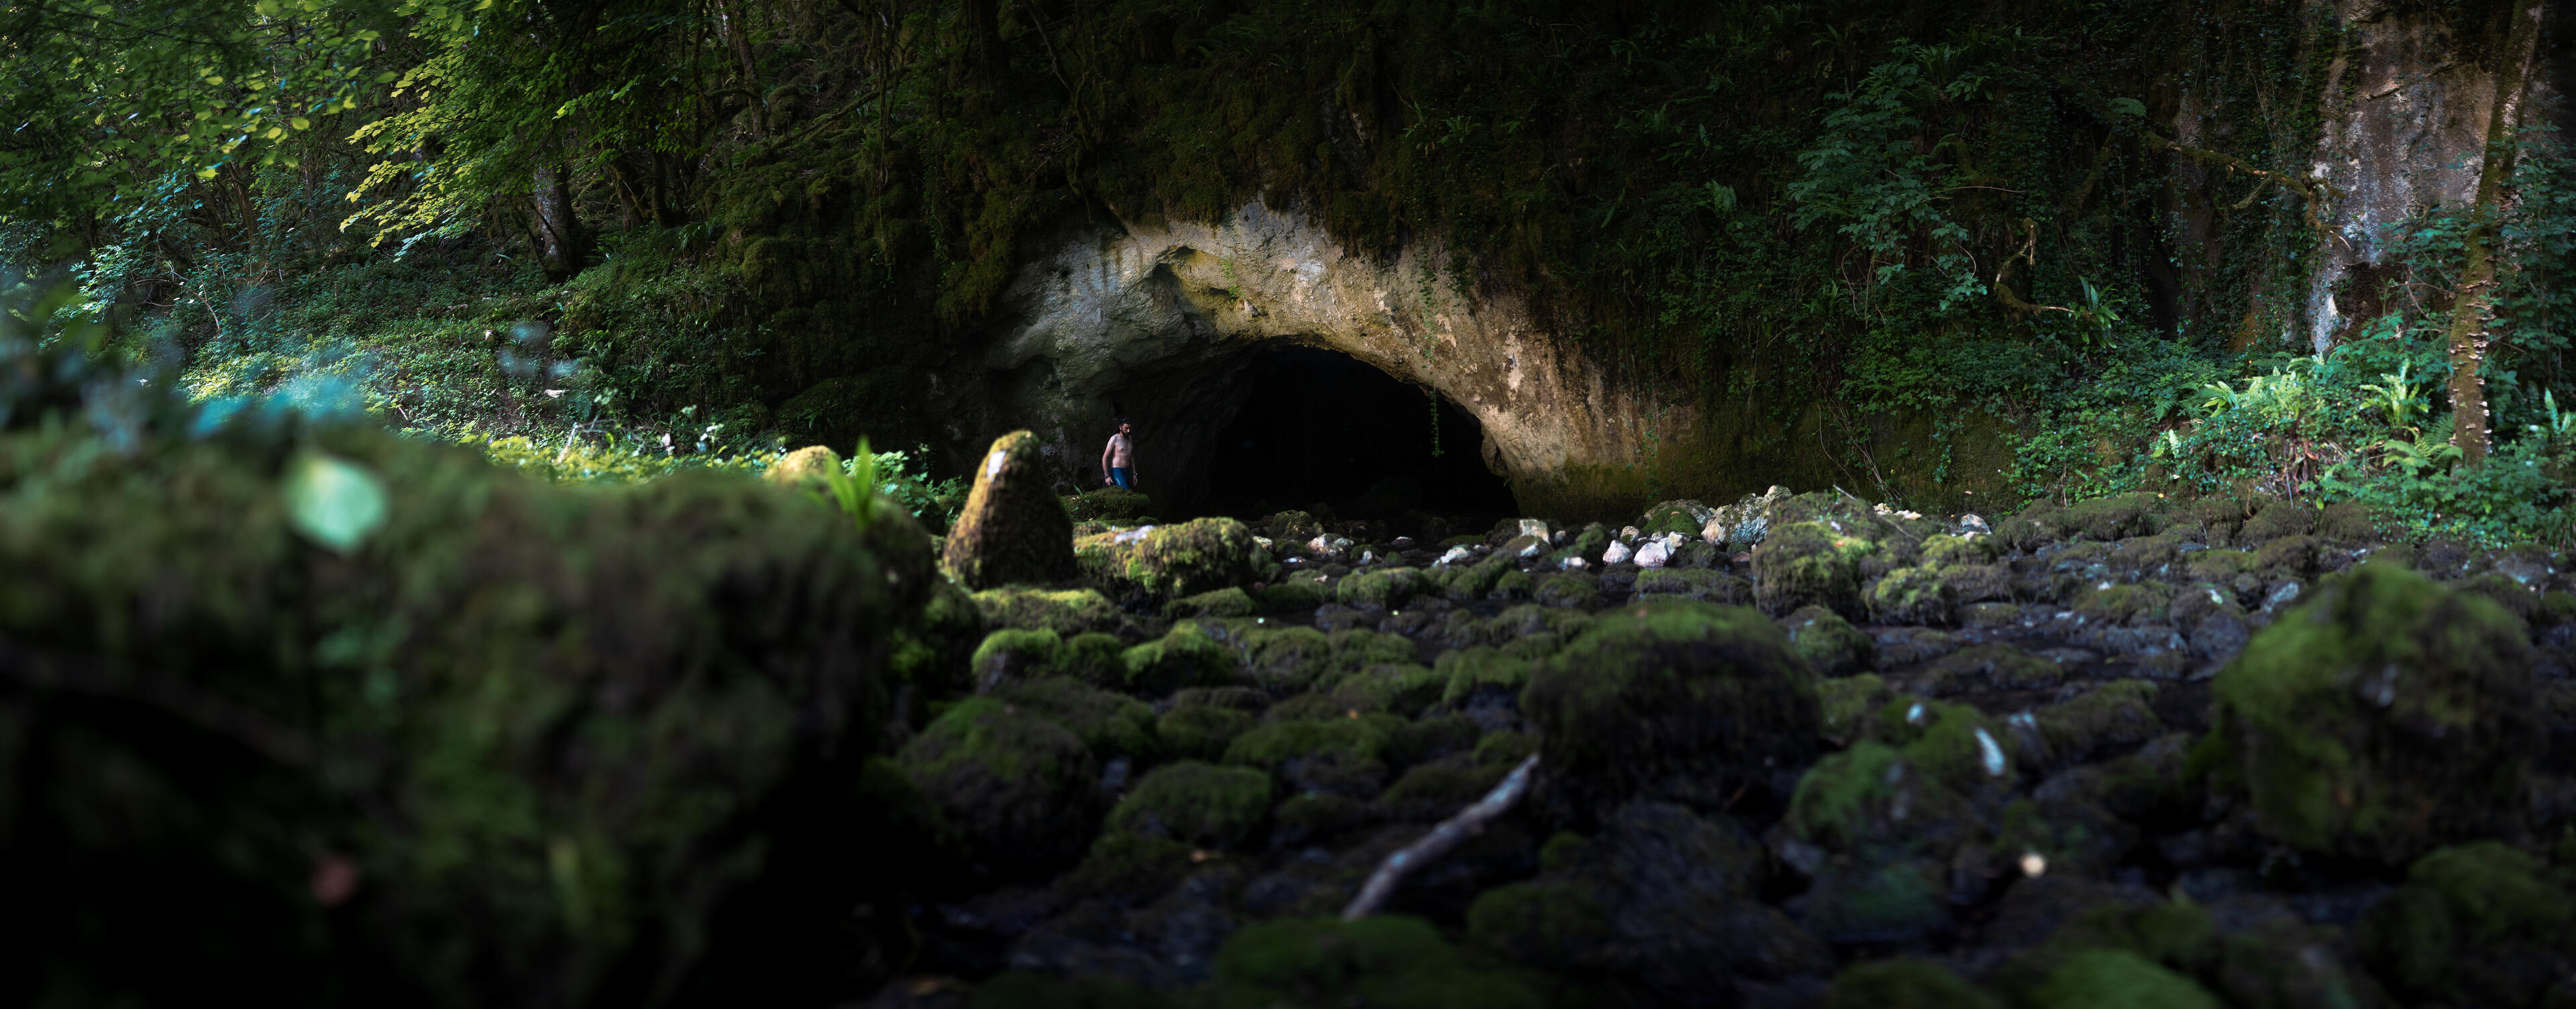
1797,750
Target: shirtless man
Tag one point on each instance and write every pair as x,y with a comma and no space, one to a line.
1118,460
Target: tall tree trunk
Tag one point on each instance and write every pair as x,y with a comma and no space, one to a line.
562,243
2468,336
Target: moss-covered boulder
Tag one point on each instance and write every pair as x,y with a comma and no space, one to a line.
1681,701
934,654
2116,979
1695,584
1201,731
1165,562
1382,588
2385,716
1224,602
1010,656
1828,642
1012,530
1203,804
1913,596
1336,755
805,467
1110,723
1810,564
1110,504
1022,791
1384,962
1067,612
1185,656
2477,924
527,737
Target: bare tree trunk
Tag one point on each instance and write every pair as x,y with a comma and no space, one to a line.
2468,336
562,243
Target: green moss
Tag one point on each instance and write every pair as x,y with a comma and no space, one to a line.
1094,658
1465,671
1291,596
1684,517
1680,701
1905,983
1399,688
1554,924
2219,567
1912,596
1225,602
1942,550
1338,755
1431,738
1311,817
2382,717
1012,529
2475,924
1164,562
2287,557
1185,656
1848,704
1286,659
1114,504
1112,725
1828,642
1893,900
1505,748
1198,803
1066,611
2115,517
1942,740
1810,564
2119,713
1433,792
1694,584
1200,731
1022,791
1010,656
1476,581
2117,979
2277,519
1381,588
1512,583
2142,603
1387,962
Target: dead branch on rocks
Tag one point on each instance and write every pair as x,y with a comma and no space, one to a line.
1447,835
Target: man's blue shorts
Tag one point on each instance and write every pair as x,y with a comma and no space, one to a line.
1126,478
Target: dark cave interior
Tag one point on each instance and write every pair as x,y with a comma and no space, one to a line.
1319,428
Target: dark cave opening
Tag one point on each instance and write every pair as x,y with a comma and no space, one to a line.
1319,428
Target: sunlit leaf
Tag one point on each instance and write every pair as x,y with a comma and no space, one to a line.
333,501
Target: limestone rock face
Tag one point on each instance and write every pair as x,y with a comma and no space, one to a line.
1013,528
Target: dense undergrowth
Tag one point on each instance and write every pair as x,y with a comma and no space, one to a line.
1851,228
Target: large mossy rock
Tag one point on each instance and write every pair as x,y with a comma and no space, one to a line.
2384,717
1679,701
1161,563
1810,564
1013,528
2477,924
1022,791
507,738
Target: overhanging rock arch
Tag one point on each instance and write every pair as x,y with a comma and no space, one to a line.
1159,321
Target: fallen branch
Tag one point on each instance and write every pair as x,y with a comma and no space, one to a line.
1447,835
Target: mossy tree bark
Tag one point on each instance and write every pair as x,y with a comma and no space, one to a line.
2468,336
562,241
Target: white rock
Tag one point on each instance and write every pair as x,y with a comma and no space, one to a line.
1534,549
1456,555
1261,541
1402,542
1629,534
1973,522
1653,554
1618,552
1572,563
1909,515
1534,527
1367,557
1715,531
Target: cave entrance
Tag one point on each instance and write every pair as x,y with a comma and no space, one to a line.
1317,427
